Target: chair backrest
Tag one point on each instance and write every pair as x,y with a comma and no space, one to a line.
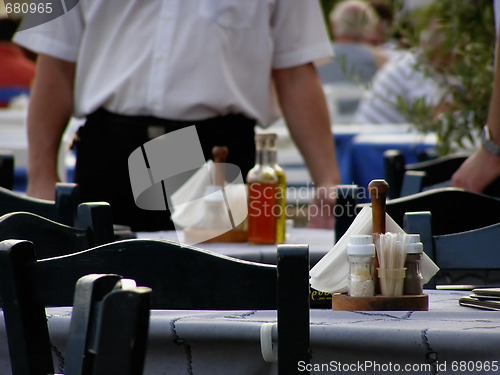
427,174
94,227
453,209
343,100
345,208
178,273
108,330
6,169
62,210
456,250
109,327
406,179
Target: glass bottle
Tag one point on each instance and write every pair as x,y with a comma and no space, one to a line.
262,184
361,257
281,187
413,279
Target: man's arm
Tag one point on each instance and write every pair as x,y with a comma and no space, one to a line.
483,167
303,104
50,108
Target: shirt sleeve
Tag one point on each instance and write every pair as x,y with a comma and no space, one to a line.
299,34
59,37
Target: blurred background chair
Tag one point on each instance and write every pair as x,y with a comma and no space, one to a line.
108,331
467,259
6,169
343,100
62,210
345,208
406,179
65,210
453,209
183,277
93,227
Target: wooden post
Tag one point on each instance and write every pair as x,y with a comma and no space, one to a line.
219,154
378,193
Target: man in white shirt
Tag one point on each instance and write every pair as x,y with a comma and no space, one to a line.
133,67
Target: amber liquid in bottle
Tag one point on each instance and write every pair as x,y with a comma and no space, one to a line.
261,219
262,187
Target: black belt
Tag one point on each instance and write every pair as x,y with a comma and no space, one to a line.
152,124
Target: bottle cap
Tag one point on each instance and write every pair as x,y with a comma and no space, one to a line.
361,244
414,245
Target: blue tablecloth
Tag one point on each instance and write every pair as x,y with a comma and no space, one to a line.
447,339
360,152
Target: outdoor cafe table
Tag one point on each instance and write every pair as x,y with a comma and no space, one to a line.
447,339
320,241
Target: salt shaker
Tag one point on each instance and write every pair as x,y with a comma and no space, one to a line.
361,257
413,278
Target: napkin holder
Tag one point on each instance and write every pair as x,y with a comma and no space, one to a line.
370,220
341,301
223,220
210,209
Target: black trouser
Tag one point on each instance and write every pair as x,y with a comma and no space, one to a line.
105,142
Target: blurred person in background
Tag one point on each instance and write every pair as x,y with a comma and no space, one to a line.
412,76
385,37
16,69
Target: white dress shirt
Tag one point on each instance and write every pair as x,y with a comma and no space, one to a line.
182,59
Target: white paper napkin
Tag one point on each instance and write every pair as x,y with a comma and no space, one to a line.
189,202
330,273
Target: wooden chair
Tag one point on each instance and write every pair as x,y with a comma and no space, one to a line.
461,255
94,227
6,169
453,209
178,274
345,208
406,179
108,330
62,210
65,210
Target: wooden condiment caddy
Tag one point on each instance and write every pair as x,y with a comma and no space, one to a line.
378,193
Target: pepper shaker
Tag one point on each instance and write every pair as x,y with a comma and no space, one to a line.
413,278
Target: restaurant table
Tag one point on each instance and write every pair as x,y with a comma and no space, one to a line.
359,152
320,241
364,159
447,339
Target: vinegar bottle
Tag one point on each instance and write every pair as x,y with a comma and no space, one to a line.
281,188
262,184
